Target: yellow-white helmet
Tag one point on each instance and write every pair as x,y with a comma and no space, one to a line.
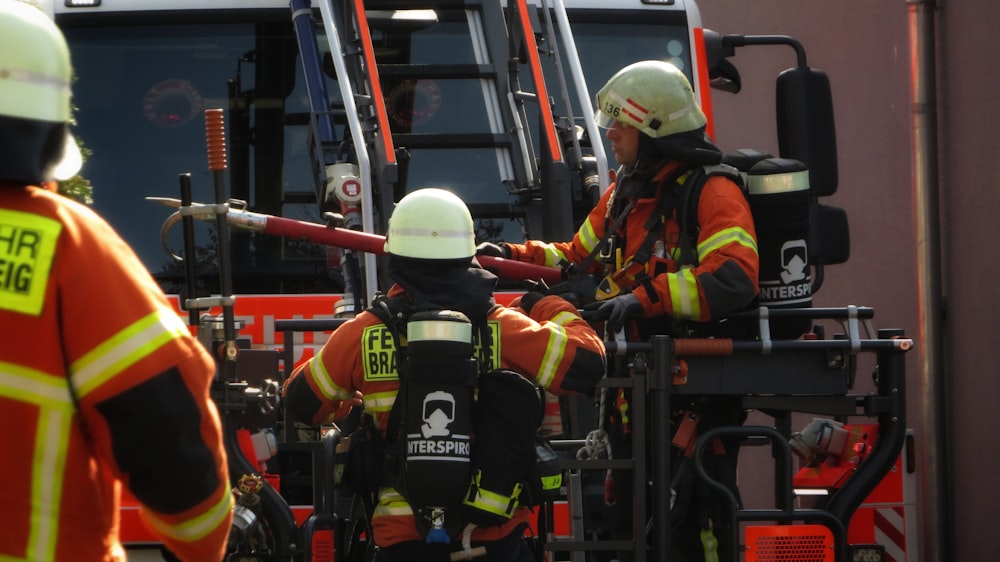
431,224
653,96
35,74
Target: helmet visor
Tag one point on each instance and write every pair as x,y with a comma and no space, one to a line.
604,120
71,160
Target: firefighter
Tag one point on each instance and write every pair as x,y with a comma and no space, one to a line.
431,246
651,275
101,385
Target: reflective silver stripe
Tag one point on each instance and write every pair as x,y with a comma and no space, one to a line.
197,527
684,294
493,502
554,352
588,237
32,77
324,381
725,237
125,348
48,457
379,401
553,256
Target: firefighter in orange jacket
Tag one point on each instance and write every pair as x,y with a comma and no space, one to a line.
101,385
632,239
431,249
653,276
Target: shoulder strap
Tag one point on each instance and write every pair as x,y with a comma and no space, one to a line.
687,218
393,313
484,337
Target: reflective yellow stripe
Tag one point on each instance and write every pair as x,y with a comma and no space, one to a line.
390,502
376,402
553,256
27,249
553,482
400,508
709,544
564,318
48,459
724,237
554,353
684,294
588,237
492,502
323,380
124,349
623,409
197,527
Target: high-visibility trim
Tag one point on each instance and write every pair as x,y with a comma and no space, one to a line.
564,318
48,459
34,387
554,353
391,502
324,382
553,256
376,402
27,243
684,294
47,476
124,349
197,527
553,482
709,544
588,236
493,502
734,235
495,350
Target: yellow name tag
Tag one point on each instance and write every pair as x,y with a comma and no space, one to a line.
27,250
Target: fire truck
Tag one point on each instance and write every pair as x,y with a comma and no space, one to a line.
280,133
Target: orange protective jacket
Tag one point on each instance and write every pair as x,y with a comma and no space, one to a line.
725,277
554,345
101,385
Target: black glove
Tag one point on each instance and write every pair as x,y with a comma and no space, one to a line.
493,250
578,288
615,310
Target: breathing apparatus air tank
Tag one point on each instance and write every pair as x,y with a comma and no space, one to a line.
439,376
779,195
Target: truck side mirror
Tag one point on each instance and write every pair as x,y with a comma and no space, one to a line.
722,74
805,125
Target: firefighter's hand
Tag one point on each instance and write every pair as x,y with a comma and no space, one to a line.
346,406
579,288
493,250
615,311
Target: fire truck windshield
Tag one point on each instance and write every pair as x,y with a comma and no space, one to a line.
143,84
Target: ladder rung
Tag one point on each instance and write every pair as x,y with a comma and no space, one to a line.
458,140
436,71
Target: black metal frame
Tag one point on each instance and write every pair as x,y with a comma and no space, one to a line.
780,375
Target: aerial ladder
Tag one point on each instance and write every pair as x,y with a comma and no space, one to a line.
385,92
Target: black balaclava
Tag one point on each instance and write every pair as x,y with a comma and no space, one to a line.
692,148
459,284
30,149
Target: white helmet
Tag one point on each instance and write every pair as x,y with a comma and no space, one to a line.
653,96
35,74
431,224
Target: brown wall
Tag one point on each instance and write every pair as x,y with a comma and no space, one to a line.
864,47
